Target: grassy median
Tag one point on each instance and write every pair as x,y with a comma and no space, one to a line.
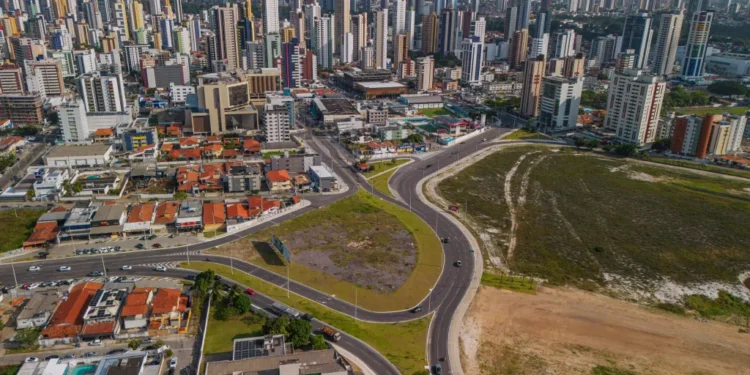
402,343
384,252
382,166
381,183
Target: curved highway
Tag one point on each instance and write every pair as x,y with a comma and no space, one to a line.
444,299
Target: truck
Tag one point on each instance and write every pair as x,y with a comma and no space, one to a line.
331,333
282,309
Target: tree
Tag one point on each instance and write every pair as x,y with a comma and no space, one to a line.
28,337
30,194
414,138
591,98
727,88
153,121
661,145
134,344
180,195
168,353
78,186
299,332
580,142
204,282
319,343
626,150
223,312
277,326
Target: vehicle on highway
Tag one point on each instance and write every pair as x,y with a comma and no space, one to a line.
31,286
308,317
160,269
437,369
64,268
190,277
282,309
90,354
458,263
445,240
95,274
126,268
34,268
331,333
69,356
31,359
156,245
417,309
173,363
140,246
96,342
49,357
427,166
250,291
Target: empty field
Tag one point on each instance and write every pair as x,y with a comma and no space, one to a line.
388,253
591,221
17,226
382,166
713,111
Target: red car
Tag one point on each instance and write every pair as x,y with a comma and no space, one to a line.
156,245
250,291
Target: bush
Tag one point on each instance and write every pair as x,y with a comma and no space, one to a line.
168,353
671,307
626,150
319,343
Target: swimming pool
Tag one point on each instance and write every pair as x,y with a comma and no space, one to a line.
81,370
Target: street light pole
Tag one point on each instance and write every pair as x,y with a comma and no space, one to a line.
429,301
188,253
14,274
104,268
355,302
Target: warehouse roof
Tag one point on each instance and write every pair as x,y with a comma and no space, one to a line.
78,150
380,85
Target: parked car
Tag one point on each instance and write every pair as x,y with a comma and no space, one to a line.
90,354
160,269
32,286
96,273
34,268
126,268
96,342
140,246
156,245
173,363
250,291
31,359
49,357
69,356
117,351
64,268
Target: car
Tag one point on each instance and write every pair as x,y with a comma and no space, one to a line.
140,246
64,268
417,309
147,340
156,245
69,356
160,269
250,291
117,351
118,248
31,359
437,369
49,357
95,273
308,317
445,240
153,236
79,252
190,277
34,269
66,282
173,363
458,263
45,284
427,166
90,354
173,235
32,286
86,251
126,268
96,342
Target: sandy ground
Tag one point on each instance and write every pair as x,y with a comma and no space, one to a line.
565,331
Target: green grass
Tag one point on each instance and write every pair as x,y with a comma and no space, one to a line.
584,216
268,154
514,283
432,112
382,166
401,343
361,218
725,305
9,370
211,233
523,134
17,229
381,183
220,334
702,167
714,111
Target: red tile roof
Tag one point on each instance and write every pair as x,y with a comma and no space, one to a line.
43,232
165,301
59,332
214,147
256,201
104,132
193,153
71,311
278,176
141,212
189,141
251,145
167,147
166,212
213,213
236,210
58,209
137,302
99,328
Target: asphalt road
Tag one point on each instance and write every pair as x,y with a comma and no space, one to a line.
443,300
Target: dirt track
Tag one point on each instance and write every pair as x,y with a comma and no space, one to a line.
563,331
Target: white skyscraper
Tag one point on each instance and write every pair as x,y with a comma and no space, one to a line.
410,28
670,27
472,50
633,106
347,49
425,73
73,120
558,107
561,44
738,123
323,40
478,28
271,17
381,39
276,125
539,46
399,17
693,64
102,93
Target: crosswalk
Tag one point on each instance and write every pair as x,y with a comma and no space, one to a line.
167,265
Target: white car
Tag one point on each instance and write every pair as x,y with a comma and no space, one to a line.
33,286
173,363
31,359
160,269
34,268
64,268
96,342
126,268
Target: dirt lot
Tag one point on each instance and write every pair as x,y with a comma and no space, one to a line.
565,331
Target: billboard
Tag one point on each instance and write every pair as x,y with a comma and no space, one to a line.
276,242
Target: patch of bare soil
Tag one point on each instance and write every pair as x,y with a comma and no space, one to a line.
565,331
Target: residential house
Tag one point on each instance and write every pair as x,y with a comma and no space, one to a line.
103,135
166,213
38,309
184,154
214,216
258,205
237,212
250,147
101,319
190,216
213,151
135,313
187,143
67,321
167,310
44,233
278,181
9,145
140,217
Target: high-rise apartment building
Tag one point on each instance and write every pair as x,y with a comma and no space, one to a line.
102,92
518,46
359,32
11,79
411,28
400,50
276,126
50,73
75,126
524,11
693,64
532,82
511,16
604,49
226,20
425,73
633,106
430,29
449,23
574,66
381,39
271,16
561,44
323,40
667,39
347,49
291,68
471,59
558,106
342,16
636,35
399,17
478,27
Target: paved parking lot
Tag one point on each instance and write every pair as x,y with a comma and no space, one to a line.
67,249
